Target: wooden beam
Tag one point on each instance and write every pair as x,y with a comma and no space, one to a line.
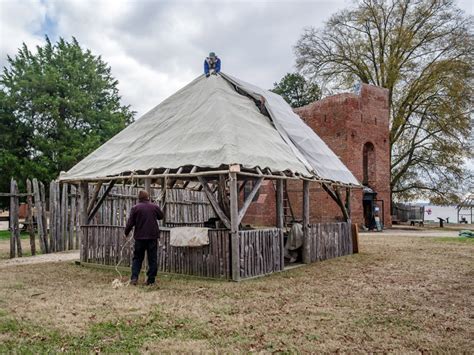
306,236
280,216
193,170
97,188
83,203
215,205
341,204
330,193
148,186
348,200
242,185
249,199
101,200
234,230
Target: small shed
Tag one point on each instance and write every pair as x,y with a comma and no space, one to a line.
211,139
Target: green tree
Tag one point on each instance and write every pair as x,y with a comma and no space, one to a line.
296,90
58,105
422,52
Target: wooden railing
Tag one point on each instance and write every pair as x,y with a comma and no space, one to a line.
330,240
261,252
105,245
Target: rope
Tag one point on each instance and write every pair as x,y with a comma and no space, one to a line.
117,283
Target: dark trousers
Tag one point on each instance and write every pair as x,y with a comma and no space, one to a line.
151,248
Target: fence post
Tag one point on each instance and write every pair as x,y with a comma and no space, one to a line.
306,236
83,204
29,219
44,218
39,215
64,215
14,223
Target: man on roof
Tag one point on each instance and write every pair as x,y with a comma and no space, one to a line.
212,64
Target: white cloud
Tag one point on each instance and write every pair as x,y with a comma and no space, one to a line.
20,22
156,47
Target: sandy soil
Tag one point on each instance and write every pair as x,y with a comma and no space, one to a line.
400,294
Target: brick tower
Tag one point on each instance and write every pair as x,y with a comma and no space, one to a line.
356,127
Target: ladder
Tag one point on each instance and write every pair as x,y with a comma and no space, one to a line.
288,215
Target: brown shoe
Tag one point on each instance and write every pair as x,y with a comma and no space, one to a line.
150,282
133,282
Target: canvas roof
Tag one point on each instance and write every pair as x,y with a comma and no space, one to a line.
208,124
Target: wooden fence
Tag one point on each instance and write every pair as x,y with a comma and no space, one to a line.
261,252
106,245
55,218
330,240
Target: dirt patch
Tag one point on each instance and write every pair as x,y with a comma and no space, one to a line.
399,294
41,259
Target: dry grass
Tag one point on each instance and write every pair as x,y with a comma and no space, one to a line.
400,294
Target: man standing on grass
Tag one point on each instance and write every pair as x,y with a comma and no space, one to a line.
144,217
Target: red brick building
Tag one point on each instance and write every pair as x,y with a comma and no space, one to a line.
356,128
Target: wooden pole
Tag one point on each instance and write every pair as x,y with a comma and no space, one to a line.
83,204
148,186
280,217
13,218
234,224
348,201
29,217
306,241
44,216
39,216
249,199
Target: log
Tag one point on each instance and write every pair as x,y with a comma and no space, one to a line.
249,199
39,217
215,204
29,217
84,201
355,238
306,236
234,229
14,224
280,217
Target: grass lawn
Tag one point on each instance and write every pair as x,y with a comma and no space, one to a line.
25,244
400,294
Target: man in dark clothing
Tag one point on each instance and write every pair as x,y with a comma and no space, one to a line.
143,217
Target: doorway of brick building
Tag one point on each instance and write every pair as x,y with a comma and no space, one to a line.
368,204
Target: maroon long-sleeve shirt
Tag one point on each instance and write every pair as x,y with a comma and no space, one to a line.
144,217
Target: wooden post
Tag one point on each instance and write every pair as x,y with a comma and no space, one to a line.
52,217
15,242
355,238
148,186
64,210
306,241
234,224
164,184
348,201
39,216
44,216
280,217
29,217
83,204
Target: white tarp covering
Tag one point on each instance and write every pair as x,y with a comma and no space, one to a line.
306,144
206,124
189,236
209,124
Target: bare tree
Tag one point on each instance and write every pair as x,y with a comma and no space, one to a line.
422,52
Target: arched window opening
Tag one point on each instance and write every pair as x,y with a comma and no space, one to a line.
368,161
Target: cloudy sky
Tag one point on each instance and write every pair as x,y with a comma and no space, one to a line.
156,47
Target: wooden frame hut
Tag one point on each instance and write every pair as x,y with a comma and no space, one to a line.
214,136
